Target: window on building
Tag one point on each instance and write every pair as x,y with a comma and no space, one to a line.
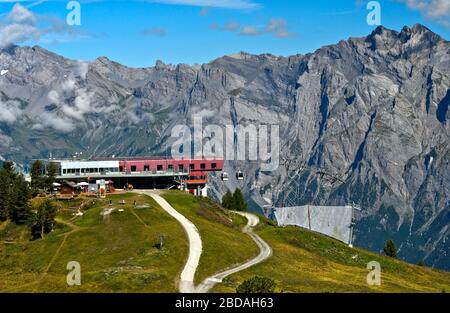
133,168
192,166
159,167
213,165
180,167
170,167
146,168
203,166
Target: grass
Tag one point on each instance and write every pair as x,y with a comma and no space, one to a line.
116,253
304,261
224,245
119,253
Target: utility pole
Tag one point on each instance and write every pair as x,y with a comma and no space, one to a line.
161,241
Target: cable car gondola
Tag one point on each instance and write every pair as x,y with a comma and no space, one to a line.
225,176
239,175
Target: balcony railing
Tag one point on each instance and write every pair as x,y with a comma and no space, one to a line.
153,173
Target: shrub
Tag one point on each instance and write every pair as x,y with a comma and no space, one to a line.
257,284
390,250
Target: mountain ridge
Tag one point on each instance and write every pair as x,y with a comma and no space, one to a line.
372,110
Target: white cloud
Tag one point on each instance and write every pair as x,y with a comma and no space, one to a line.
20,14
53,96
437,10
82,105
229,26
52,120
21,25
228,4
10,111
83,68
68,85
250,31
276,27
5,141
15,33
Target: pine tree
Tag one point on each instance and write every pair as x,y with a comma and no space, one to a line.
228,201
390,250
37,177
10,171
4,196
7,177
14,196
20,211
239,201
52,170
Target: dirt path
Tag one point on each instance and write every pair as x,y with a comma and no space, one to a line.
195,249
195,244
74,228
265,253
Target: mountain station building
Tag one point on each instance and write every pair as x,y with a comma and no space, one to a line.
141,172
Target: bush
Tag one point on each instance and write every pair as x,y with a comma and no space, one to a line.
257,284
390,250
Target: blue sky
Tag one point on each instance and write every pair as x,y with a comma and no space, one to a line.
137,33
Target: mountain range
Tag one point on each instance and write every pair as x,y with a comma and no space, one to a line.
364,121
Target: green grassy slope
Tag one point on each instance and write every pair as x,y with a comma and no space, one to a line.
304,261
223,242
116,253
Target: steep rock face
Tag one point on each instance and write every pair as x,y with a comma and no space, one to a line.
370,111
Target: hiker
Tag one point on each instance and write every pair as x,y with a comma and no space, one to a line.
134,203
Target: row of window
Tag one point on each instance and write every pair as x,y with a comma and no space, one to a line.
89,170
133,168
170,167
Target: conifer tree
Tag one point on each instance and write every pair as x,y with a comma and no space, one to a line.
44,220
37,177
50,177
20,210
7,178
228,201
390,250
239,201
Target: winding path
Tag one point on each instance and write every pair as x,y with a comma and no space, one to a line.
195,244
265,253
195,249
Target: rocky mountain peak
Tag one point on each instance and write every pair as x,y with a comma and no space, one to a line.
372,111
